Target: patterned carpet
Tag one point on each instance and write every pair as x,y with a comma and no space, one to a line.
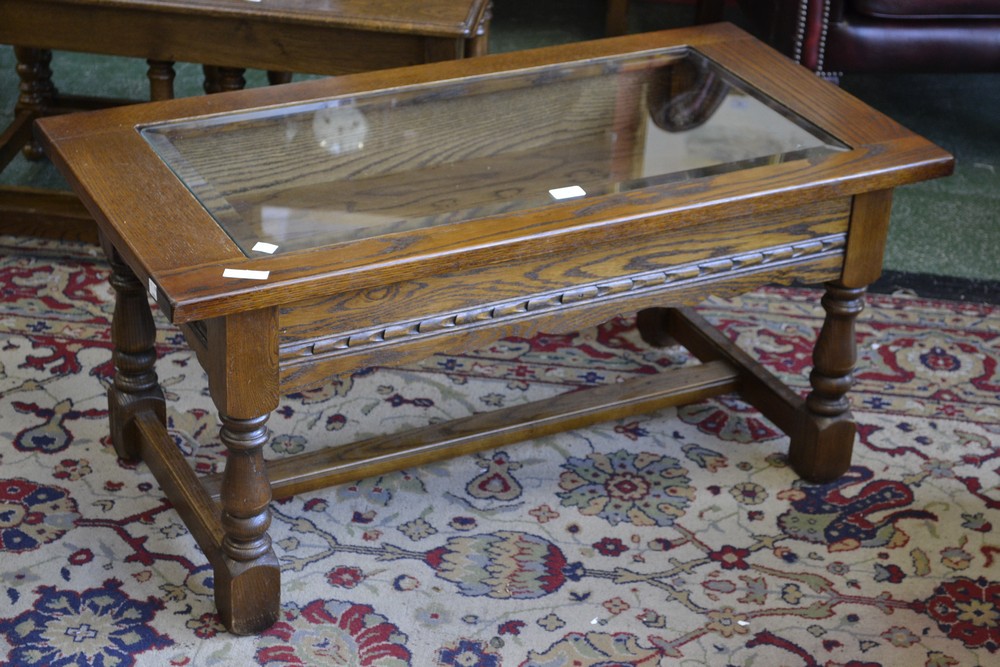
674,538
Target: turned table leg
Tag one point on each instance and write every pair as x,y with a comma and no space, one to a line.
820,428
36,88
223,79
243,383
276,78
247,589
243,380
135,388
822,450
161,77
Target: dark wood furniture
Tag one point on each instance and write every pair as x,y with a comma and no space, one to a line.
616,18
443,206
616,14
833,37
227,36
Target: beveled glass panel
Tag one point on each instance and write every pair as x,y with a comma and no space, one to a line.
308,175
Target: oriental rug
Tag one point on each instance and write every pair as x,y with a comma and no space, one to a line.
674,538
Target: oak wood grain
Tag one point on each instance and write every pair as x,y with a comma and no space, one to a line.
754,239
300,372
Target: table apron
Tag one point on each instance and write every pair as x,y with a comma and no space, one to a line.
225,41
324,337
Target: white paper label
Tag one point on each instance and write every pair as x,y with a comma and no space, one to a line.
262,246
246,274
568,192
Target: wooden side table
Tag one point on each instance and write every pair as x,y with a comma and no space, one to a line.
225,35
322,227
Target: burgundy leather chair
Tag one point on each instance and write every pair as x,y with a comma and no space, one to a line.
835,36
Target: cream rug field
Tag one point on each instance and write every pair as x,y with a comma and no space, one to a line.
675,538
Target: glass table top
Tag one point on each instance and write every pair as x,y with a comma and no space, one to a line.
320,173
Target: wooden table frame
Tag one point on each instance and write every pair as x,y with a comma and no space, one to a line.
656,251
227,36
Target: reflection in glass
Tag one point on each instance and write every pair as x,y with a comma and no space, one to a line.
314,174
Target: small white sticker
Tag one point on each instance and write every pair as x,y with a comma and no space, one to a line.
568,192
246,274
152,289
262,246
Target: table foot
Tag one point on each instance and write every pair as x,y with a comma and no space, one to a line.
821,451
248,594
247,588
135,388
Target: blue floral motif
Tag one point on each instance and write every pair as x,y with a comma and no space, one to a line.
99,626
640,488
468,653
32,515
939,359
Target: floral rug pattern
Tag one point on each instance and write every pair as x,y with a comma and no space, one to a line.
680,537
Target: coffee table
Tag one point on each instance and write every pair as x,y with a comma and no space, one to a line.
307,36
303,231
